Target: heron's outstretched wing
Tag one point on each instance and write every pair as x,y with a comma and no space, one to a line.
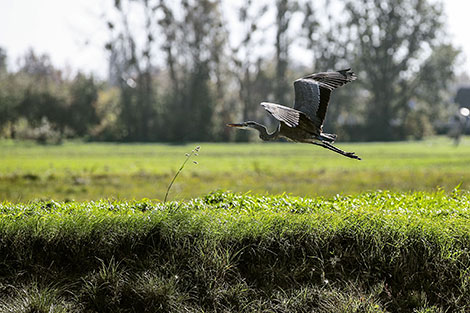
289,116
312,92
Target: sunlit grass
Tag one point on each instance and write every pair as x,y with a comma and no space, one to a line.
84,171
376,252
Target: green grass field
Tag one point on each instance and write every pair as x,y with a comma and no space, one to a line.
375,252
92,171
260,248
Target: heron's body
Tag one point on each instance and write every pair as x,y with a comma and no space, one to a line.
304,122
293,134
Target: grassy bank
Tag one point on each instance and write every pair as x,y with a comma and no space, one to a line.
91,171
224,252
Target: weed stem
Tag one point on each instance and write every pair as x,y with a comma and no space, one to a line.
188,156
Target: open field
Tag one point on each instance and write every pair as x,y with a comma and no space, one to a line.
86,171
374,252
349,251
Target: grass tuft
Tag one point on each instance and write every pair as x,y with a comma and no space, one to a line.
35,299
194,152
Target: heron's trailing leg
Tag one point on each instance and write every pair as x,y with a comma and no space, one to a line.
326,145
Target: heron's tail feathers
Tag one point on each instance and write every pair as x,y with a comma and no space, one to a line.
328,137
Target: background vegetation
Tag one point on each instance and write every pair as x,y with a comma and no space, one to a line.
387,234
180,70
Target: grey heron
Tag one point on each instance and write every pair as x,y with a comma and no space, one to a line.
304,122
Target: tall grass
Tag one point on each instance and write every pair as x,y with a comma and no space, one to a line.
194,152
224,252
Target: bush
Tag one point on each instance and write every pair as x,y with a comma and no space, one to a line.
417,126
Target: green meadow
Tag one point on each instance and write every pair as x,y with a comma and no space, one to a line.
92,171
83,228
225,252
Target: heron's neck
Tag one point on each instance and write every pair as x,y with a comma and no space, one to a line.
263,132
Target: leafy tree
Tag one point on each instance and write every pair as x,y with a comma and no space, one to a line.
8,113
326,39
388,41
10,97
82,108
434,82
284,11
247,66
3,61
108,109
49,104
194,48
131,67
43,92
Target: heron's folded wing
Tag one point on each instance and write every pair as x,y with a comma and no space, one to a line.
288,116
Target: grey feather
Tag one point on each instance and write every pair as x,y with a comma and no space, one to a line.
307,99
312,92
284,114
332,80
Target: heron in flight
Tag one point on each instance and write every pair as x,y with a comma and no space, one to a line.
304,122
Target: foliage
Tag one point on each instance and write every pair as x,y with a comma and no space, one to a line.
3,63
84,94
108,111
389,40
184,69
417,125
195,41
37,102
375,252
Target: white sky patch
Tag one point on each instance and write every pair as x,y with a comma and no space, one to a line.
70,32
458,25
73,33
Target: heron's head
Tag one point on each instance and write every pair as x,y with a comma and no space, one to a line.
263,132
244,125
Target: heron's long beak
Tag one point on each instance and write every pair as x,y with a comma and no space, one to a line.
241,125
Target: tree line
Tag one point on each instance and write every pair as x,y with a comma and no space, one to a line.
180,70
